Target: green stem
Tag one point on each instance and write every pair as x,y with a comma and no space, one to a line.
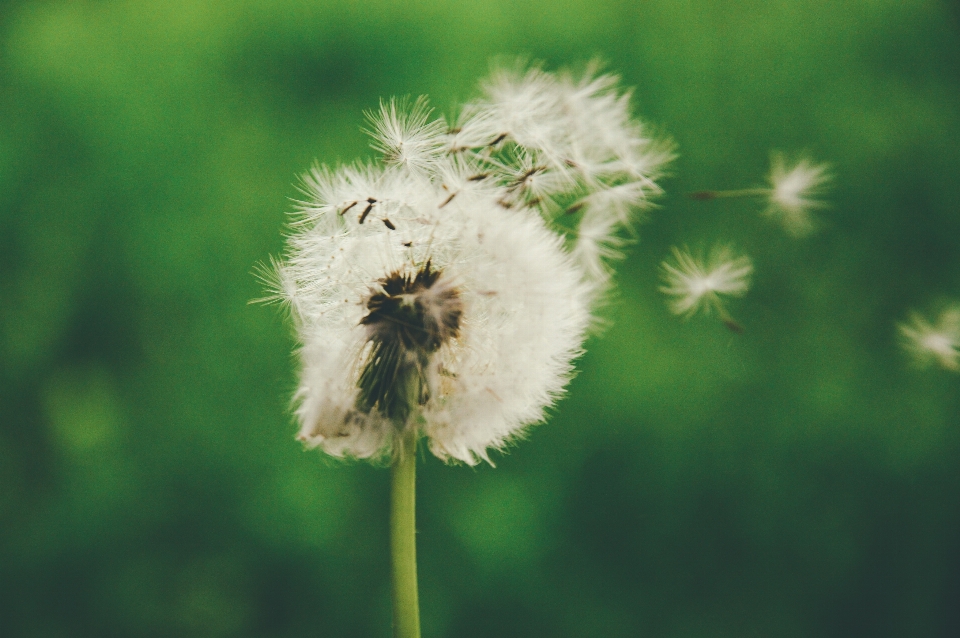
403,542
743,192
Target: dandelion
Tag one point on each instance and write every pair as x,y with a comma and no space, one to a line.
436,295
791,196
937,342
696,284
458,311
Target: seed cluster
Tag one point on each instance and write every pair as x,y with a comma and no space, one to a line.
408,320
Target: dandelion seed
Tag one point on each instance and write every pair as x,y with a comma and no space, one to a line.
405,135
791,196
696,284
793,193
933,343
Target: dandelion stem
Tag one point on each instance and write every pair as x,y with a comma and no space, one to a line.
743,192
403,543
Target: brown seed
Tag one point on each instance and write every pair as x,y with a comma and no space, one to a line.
733,326
366,211
448,200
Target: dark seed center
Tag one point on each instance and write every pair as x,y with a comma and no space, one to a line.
408,320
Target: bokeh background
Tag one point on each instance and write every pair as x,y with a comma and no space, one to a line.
799,479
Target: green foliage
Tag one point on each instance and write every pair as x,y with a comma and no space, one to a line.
796,480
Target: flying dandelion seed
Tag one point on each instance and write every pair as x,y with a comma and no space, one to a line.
791,196
695,284
933,343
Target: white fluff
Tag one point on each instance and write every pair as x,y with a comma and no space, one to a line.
476,202
793,193
937,342
696,284
595,159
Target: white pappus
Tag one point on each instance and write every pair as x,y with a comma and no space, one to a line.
695,283
937,342
434,290
793,193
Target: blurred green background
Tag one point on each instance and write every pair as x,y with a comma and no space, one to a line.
797,480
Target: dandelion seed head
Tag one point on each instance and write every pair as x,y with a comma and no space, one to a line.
470,315
432,290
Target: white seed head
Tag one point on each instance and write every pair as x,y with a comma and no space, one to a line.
433,290
933,343
793,193
697,284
